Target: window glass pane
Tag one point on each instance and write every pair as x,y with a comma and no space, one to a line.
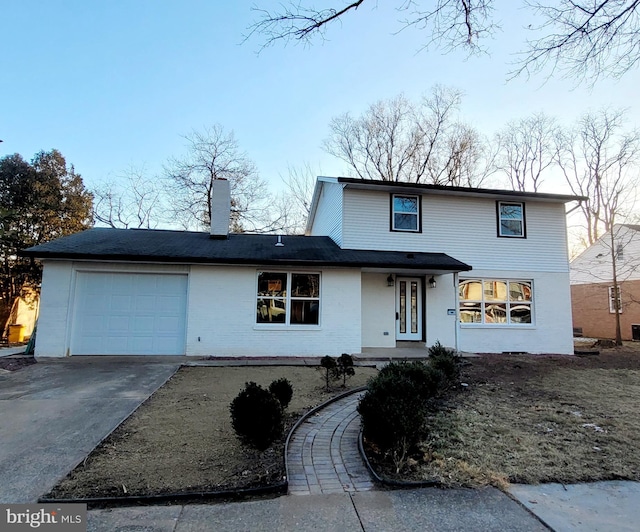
304,312
521,313
305,285
403,306
520,291
414,307
408,222
495,313
495,291
511,211
471,289
405,204
272,284
271,310
471,313
511,227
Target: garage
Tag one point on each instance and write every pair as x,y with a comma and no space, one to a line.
129,314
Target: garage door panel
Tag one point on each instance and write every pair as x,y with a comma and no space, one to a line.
129,313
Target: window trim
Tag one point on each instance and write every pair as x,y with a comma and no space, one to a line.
612,309
499,203
289,298
392,227
508,303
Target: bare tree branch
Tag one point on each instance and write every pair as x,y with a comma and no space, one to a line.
584,39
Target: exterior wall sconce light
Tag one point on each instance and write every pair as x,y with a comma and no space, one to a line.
390,280
432,282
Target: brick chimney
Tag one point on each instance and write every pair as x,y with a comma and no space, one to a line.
220,208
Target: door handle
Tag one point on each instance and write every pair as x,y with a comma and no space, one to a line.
397,316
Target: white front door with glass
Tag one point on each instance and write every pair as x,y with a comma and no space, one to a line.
408,309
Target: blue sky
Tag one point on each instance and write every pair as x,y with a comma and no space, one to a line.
115,84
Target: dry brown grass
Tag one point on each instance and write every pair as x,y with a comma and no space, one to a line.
181,438
534,419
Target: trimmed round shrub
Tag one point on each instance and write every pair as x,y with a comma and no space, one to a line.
426,378
282,390
256,416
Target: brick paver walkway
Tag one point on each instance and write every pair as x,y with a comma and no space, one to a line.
323,452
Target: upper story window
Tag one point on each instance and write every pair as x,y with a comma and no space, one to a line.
405,213
288,298
511,221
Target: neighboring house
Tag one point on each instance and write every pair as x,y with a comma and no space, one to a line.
476,269
592,291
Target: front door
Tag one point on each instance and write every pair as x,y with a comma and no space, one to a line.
408,308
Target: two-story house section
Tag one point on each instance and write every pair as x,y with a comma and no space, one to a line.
513,297
381,263
594,299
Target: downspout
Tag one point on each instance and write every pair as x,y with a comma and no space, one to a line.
457,307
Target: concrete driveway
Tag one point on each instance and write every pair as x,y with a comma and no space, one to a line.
52,414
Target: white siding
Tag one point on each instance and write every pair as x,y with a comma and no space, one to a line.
54,309
464,228
551,331
378,311
222,316
594,264
441,327
328,219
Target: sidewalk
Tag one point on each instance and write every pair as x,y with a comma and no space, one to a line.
428,509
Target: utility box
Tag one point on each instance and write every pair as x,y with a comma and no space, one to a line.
635,332
16,334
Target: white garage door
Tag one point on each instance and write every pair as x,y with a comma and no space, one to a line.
129,314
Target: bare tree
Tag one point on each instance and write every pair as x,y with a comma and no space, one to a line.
599,160
398,140
450,23
215,154
135,201
526,151
299,184
582,39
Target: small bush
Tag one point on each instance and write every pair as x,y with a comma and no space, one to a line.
446,361
395,406
256,416
329,364
344,368
282,390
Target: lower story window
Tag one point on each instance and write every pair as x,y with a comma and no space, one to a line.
288,298
496,301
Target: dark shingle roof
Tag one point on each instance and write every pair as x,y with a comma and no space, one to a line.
138,245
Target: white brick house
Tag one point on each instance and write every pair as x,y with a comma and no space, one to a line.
479,270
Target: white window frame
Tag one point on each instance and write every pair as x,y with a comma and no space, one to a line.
289,298
612,302
416,214
522,219
508,303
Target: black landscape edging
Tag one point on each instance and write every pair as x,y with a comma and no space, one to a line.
309,414
389,481
280,487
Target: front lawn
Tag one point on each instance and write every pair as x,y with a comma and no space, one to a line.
532,419
181,439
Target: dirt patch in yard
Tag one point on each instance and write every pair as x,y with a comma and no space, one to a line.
181,439
13,363
534,419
